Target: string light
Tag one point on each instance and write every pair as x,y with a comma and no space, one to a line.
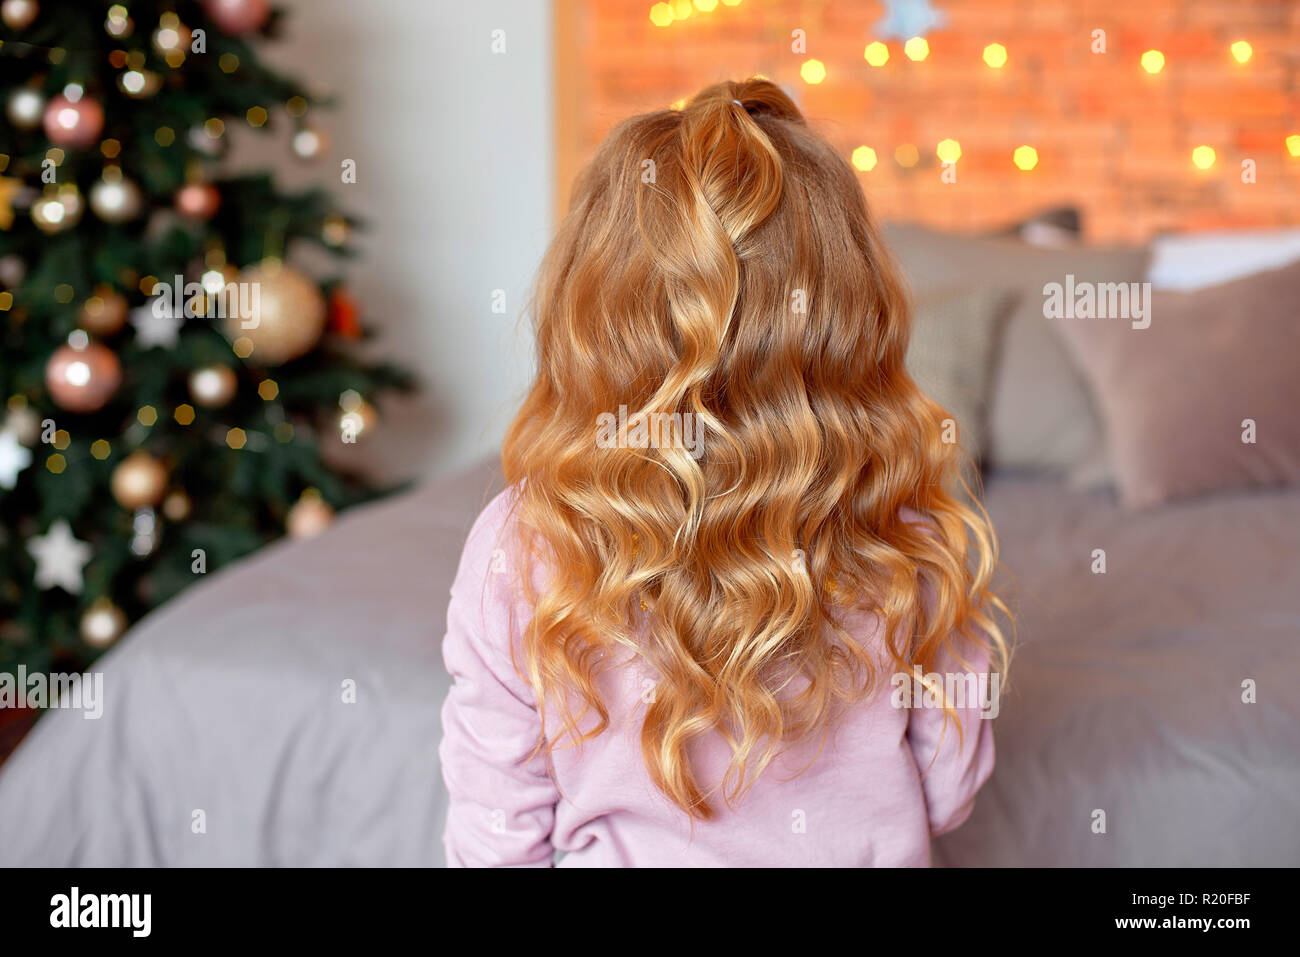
949,151
1153,61
661,14
1293,144
813,71
1025,158
1242,51
907,155
1203,157
876,53
917,48
995,55
864,158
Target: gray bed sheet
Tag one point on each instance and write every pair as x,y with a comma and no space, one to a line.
1126,697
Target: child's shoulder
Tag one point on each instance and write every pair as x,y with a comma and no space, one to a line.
492,543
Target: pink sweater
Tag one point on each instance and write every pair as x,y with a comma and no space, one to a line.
881,786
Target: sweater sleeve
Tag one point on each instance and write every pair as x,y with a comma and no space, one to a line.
502,796
955,766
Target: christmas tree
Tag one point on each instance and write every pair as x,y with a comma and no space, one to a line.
169,382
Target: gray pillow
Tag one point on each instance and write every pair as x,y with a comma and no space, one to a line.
950,356
1041,416
1177,395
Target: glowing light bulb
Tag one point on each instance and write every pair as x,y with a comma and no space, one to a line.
1242,51
813,71
917,48
995,55
661,14
1203,157
876,53
1025,158
949,151
907,155
864,158
1293,144
1153,61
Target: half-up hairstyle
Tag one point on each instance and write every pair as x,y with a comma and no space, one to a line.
719,262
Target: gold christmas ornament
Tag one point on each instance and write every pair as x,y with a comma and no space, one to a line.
335,230
58,209
82,375
102,623
139,481
104,313
10,189
139,84
176,507
172,36
285,317
116,199
309,516
213,386
19,14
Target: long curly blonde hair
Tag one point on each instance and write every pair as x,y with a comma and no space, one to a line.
718,262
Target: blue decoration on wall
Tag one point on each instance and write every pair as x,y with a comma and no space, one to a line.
905,19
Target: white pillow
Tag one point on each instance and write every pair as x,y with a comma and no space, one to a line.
1193,261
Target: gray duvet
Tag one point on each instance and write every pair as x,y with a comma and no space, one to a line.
231,734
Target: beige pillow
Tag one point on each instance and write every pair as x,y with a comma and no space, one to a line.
950,356
1177,396
1040,416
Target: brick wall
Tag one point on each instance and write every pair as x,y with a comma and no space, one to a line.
1111,138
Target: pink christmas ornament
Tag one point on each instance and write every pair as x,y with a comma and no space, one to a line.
198,201
81,377
236,17
73,123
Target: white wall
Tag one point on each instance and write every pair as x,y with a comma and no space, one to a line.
454,158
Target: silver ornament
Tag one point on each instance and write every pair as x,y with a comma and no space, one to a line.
116,199
25,108
19,14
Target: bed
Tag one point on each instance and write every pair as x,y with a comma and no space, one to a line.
286,712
